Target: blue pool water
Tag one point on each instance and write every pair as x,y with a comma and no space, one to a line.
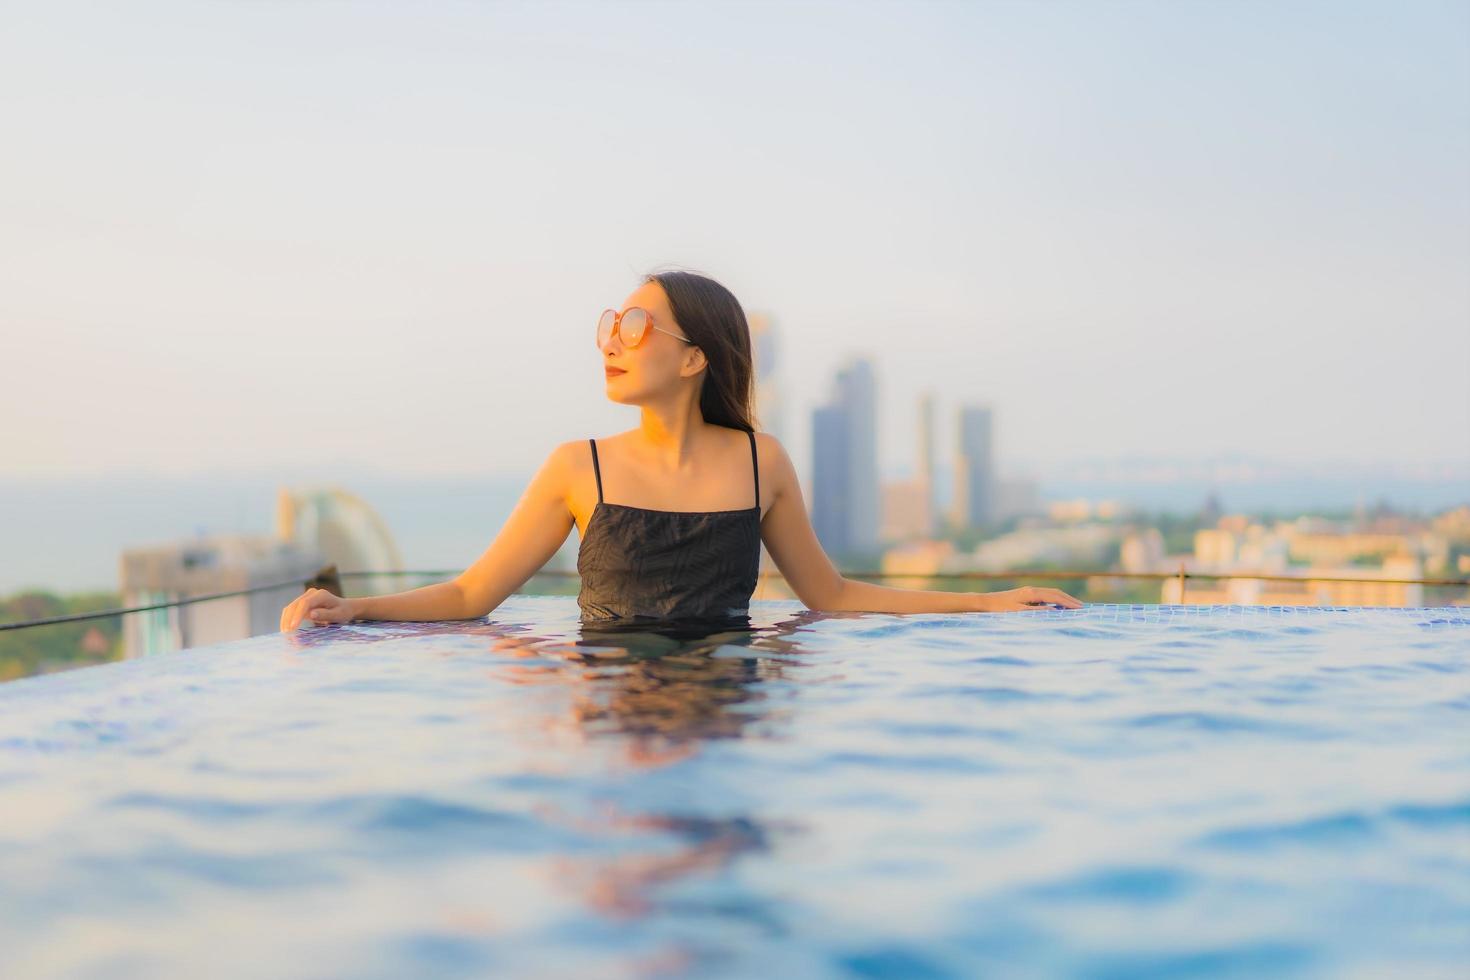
1105,792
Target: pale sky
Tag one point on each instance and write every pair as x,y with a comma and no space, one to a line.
266,235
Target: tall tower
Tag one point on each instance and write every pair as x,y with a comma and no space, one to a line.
845,501
926,461
974,496
857,389
831,490
769,409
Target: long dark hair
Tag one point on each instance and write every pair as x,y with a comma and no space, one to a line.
712,317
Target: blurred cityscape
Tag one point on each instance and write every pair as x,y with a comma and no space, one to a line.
993,524
912,533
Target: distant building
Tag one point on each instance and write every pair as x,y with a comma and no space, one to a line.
908,509
1064,511
905,511
831,482
974,496
769,405
1142,551
921,559
1236,547
1215,547
927,463
1212,509
845,495
857,391
315,527
1335,548
217,563
1453,525
1310,591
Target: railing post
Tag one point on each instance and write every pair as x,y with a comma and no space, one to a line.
1181,583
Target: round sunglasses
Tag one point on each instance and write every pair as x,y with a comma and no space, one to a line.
631,326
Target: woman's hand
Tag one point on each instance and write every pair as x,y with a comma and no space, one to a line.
317,606
1027,597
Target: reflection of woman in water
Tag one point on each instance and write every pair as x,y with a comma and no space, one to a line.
660,691
654,693
694,492
661,688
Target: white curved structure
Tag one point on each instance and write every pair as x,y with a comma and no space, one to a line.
339,524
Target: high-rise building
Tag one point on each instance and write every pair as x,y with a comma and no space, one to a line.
857,391
905,511
926,462
908,510
769,409
845,500
974,496
831,487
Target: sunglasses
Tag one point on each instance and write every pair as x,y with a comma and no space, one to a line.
631,326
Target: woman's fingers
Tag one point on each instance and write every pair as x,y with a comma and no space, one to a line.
315,606
301,608
330,610
289,617
1032,595
288,614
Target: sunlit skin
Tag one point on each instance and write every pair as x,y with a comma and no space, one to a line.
673,460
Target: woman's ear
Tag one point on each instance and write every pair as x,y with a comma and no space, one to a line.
696,361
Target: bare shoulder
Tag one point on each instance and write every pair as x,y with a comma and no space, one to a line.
563,465
564,452
775,464
570,457
767,446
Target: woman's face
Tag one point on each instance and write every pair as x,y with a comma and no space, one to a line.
658,362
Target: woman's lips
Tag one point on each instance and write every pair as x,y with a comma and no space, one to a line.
613,372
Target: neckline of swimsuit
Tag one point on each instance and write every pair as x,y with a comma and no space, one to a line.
682,513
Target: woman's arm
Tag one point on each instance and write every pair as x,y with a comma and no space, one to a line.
535,529
793,545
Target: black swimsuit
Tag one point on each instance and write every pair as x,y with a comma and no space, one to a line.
639,563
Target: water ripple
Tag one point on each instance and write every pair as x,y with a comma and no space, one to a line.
1120,790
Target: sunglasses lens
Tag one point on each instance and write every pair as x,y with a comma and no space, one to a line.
635,322
605,327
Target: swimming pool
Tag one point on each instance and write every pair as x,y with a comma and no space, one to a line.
1111,791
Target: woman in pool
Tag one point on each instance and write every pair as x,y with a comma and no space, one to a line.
680,539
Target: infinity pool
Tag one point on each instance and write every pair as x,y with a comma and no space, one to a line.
1110,791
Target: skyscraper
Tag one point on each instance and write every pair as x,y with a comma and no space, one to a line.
769,409
908,506
857,391
974,497
926,461
831,490
845,503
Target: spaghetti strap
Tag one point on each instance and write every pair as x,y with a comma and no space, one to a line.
597,470
755,465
